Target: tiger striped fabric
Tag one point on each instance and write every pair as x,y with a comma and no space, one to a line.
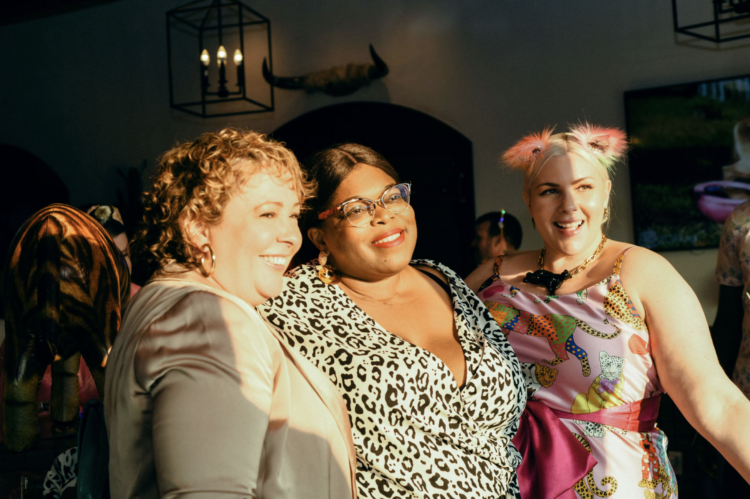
66,284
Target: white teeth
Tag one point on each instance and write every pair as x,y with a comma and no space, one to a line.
275,260
572,225
388,239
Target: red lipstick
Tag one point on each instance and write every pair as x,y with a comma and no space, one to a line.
391,242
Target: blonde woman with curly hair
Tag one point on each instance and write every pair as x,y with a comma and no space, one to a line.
602,329
202,398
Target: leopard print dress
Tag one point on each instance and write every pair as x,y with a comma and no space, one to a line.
416,433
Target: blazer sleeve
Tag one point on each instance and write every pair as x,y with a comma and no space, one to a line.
209,370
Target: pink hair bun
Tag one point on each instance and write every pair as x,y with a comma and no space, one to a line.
611,142
523,153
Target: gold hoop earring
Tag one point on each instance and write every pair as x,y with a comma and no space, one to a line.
210,271
533,223
325,272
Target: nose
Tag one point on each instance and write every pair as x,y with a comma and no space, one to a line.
291,234
568,201
381,216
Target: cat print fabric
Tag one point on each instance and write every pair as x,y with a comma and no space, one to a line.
582,353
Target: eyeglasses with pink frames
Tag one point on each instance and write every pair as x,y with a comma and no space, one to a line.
361,211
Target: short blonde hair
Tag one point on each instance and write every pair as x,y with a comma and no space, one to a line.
602,147
195,181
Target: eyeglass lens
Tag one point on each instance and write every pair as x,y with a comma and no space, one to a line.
361,211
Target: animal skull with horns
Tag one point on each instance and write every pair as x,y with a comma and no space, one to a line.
336,82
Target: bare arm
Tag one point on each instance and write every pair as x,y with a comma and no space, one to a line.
480,274
684,356
727,328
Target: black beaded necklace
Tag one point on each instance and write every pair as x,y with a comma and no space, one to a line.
553,281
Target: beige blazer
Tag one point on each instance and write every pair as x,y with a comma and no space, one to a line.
203,400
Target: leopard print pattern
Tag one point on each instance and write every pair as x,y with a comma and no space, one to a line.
617,304
416,433
586,487
63,475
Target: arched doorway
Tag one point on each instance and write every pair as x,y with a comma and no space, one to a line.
436,158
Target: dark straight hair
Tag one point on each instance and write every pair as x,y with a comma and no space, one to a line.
330,167
512,228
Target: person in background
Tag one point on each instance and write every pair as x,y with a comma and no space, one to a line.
603,329
740,170
109,217
202,398
497,233
731,329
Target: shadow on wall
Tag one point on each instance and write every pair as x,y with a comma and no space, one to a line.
30,186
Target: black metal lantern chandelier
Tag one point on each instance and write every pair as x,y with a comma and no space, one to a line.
717,15
205,31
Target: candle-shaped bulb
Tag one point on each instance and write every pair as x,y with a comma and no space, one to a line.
237,57
221,55
205,58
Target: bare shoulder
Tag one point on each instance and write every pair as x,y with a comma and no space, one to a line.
480,274
646,274
433,271
642,262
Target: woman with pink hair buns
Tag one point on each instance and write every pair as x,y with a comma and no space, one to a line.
602,329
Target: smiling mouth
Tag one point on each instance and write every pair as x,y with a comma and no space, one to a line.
275,260
568,226
388,239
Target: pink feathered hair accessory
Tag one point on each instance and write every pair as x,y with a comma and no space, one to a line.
611,142
525,151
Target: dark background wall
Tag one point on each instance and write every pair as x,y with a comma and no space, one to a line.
86,91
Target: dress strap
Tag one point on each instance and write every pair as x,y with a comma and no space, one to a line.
498,265
618,263
439,282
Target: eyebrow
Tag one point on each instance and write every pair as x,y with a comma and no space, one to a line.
552,184
274,203
362,197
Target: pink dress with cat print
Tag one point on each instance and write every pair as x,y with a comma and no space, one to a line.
582,353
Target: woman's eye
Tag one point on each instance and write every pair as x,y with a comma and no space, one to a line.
268,215
296,216
548,191
586,186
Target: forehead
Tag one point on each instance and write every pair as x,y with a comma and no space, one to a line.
364,181
267,185
484,227
567,168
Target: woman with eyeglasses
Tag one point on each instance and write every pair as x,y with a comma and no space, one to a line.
433,390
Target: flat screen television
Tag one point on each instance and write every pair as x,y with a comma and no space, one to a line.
689,160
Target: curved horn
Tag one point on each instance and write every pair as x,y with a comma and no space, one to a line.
380,69
281,82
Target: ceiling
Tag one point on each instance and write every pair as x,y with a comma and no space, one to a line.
16,11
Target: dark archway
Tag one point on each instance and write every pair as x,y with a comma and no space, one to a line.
436,158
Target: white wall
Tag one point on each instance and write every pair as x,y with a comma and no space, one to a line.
87,91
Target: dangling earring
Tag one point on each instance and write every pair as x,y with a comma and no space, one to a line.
533,223
325,272
606,214
210,271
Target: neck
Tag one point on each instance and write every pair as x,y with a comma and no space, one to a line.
557,262
380,290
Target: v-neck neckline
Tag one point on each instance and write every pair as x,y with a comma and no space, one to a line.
463,333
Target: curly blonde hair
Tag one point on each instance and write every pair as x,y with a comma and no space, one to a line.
195,181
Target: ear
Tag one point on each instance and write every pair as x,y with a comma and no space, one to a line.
608,186
197,233
317,237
